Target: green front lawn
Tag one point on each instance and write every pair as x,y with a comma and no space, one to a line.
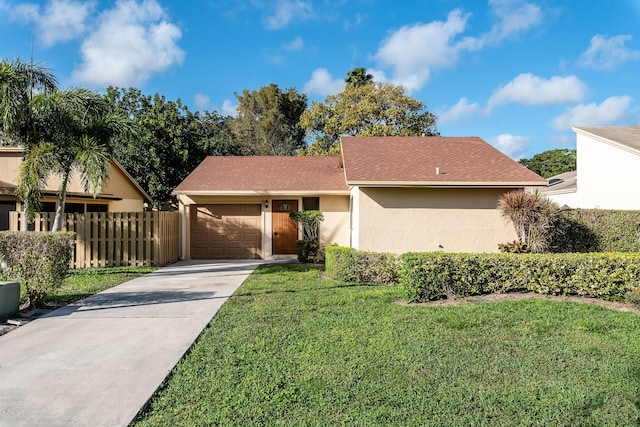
291,348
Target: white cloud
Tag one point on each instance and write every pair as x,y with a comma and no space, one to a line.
287,11
533,90
322,83
605,53
611,111
295,45
23,12
513,16
64,20
228,109
463,108
413,51
60,21
512,145
378,75
131,42
201,100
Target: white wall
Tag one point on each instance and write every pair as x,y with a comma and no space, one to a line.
608,176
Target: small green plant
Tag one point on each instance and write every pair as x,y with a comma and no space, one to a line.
307,248
38,260
352,265
515,247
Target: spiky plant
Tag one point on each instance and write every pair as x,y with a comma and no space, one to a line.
533,216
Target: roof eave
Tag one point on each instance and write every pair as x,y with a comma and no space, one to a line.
448,184
260,192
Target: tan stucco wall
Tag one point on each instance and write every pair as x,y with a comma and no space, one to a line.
334,229
411,219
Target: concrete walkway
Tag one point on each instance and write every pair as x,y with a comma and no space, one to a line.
97,362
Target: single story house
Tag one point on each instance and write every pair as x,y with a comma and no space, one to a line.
121,194
393,194
608,170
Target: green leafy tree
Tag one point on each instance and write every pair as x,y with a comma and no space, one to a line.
268,121
170,142
74,131
551,162
358,77
376,109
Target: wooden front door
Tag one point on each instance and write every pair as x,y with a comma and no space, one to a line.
285,231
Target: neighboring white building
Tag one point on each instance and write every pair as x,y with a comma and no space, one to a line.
608,170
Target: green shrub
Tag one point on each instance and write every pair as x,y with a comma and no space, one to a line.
597,230
307,250
39,260
431,276
514,247
352,265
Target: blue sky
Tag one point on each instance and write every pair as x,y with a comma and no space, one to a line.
517,73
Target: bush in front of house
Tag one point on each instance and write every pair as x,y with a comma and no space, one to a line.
432,276
309,220
597,230
352,265
38,260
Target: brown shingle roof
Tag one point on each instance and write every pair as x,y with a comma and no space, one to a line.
467,161
265,174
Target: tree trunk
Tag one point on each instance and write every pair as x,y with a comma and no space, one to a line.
57,223
24,223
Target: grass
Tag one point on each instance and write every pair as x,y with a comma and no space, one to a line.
85,282
291,348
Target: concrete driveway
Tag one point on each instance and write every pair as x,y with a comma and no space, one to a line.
97,362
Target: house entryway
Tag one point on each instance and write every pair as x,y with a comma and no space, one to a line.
285,231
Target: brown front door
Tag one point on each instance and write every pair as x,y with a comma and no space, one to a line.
285,231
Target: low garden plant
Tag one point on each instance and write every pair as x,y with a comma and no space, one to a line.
39,261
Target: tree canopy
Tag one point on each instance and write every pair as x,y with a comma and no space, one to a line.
19,81
551,162
267,121
358,77
170,142
374,109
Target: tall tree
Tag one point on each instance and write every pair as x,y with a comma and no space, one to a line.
358,77
551,162
19,81
376,109
75,129
268,119
170,142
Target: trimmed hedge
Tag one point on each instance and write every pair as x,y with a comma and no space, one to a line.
432,276
597,230
39,260
352,265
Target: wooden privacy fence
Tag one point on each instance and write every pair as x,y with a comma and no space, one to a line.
115,238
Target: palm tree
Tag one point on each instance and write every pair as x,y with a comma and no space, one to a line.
75,128
19,81
358,77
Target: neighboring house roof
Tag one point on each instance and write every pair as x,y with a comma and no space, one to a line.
566,182
431,161
237,175
5,186
624,137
